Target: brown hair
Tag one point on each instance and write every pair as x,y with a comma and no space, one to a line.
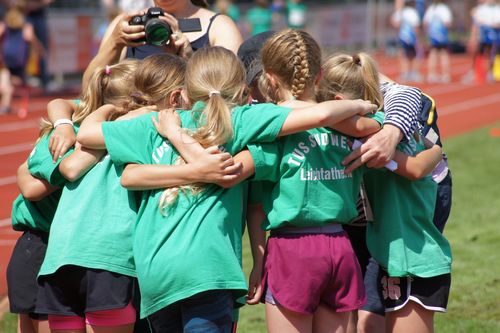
294,57
200,3
353,75
157,76
14,18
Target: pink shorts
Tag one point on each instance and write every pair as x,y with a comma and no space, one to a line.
303,271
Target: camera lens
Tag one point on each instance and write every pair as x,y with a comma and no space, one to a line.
157,32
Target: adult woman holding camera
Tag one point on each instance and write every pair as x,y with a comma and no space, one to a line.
206,28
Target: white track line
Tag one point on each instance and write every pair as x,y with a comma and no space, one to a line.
8,180
25,146
19,125
5,222
470,103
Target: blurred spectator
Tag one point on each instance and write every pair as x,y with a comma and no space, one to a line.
17,35
437,21
407,21
37,15
260,17
487,17
127,6
296,14
227,7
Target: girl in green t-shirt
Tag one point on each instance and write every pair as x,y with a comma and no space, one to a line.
307,200
73,239
413,254
188,253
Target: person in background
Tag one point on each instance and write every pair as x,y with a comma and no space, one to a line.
407,21
260,17
296,12
36,11
227,7
437,20
18,36
120,40
126,6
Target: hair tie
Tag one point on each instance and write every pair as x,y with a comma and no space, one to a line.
107,70
213,92
356,59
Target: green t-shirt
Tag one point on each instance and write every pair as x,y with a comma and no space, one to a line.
196,246
93,224
260,19
403,238
38,215
310,188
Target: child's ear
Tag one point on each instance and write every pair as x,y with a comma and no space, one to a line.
339,97
175,99
272,80
318,77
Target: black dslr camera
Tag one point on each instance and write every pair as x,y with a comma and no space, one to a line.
157,31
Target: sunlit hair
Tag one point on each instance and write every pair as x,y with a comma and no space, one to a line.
157,76
216,77
294,57
107,85
355,76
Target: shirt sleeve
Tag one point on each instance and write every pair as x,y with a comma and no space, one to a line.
266,158
41,164
129,141
258,123
402,105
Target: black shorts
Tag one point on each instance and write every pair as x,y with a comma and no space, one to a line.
22,271
357,236
431,293
74,291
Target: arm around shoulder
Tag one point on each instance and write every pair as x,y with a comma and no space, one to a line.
32,188
420,165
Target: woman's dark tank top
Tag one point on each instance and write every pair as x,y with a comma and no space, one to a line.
142,52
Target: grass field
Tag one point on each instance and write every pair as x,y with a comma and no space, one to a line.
473,231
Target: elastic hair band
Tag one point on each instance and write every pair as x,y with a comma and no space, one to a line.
213,92
107,70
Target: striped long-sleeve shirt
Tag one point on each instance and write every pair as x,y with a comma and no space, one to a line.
401,106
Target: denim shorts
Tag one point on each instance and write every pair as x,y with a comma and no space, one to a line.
207,312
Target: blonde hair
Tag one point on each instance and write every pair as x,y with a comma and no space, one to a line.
14,18
353,75
215,76
294,57
108,85
157,76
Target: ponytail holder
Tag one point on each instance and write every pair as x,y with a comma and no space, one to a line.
107,70
213,92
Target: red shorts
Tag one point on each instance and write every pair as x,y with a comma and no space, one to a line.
303,271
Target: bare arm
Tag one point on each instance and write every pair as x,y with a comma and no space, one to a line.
32,188
422,164
90,134
210,167
79,162
64,136
358,127
255,216
225,33
118,36
325,114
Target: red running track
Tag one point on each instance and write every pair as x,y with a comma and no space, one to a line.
461,108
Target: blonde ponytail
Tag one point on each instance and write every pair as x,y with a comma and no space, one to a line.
216,77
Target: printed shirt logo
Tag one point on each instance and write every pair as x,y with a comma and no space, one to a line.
159,152
315,141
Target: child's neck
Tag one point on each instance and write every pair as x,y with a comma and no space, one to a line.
307,96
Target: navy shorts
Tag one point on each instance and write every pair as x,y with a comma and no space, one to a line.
443,202
410,50
374,300
75,290
22,272
207,312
